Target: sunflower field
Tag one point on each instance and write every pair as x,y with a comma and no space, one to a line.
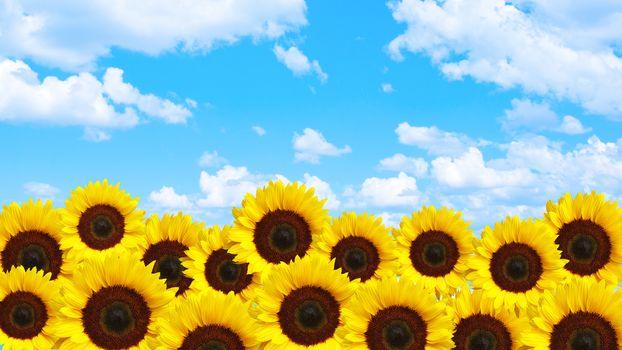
99,274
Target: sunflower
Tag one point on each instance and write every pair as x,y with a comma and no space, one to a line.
28,308
433,247
100,217
390,314
360,245
211,320
516,262
481,325
167,242
276,225
30,237
112,302
589,234
301,307
211,265
581,314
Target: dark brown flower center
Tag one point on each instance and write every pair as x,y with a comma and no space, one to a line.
516,267
116,317
33,249
396,328
309,315
357,256
281,235
585,244
101,227
167,255
482,332
434,253
583,331
22,315
212,337
223,274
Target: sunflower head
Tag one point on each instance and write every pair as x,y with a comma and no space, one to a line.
392,314
433,247
516,262
581,314
167,241
276,225
112,302
211,265
588,234
481,325
28,309
99,217
211,320
30,236
361,246
302,305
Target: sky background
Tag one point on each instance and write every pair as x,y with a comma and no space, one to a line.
489,107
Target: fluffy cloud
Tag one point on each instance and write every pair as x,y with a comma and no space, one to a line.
41,190
530,44
167,198
259,130
399,162
387,88
79,100
298,63
46,32
385,192
469,170
526,114
322,190
311,145
432,139
211,159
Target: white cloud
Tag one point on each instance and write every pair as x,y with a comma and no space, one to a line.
191,103
167,198
311,145
211,159
41,190
386,192
399,162
78,100
259,130
387,88
391,219
432,139
526,114
96,135
298,63
322,190
229,185
496,41
72,35
469,170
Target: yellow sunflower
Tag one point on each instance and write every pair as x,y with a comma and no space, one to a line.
360,245
28,308
580,314
589,234
301,307
516,262
167,242
211,265
276,225
209,320
112,302
392,314
481,325
30,236
100,217
433,247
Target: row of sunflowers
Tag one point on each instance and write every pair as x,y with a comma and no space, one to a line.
98,274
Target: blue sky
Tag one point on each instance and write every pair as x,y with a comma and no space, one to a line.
489,107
